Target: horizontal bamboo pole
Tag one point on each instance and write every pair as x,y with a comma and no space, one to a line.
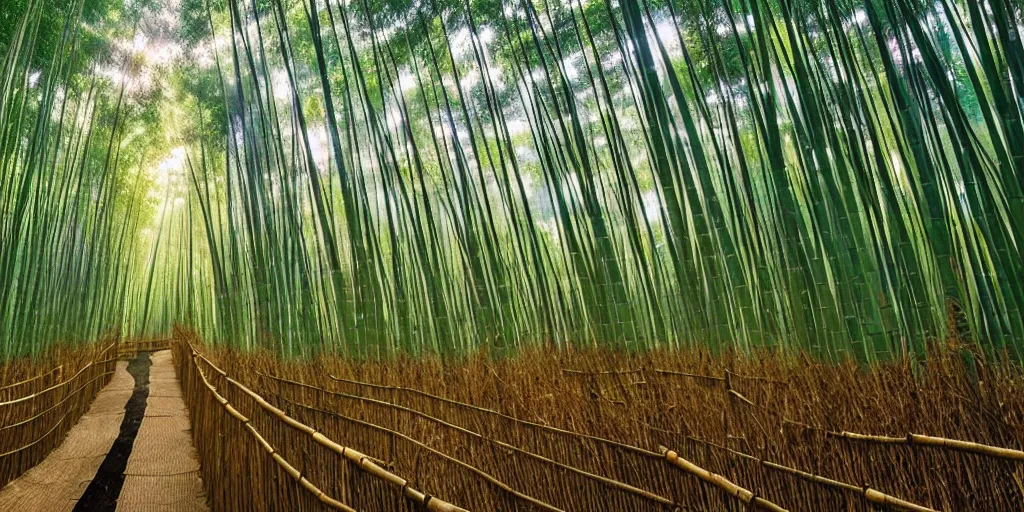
362,461
7,387
719,481
936,442
40,438
602,372
616,444
908,440
690,375
58,404
872,495
608,482
59,384
490,479
277,458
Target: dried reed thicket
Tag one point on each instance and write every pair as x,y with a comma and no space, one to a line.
599,430
42,399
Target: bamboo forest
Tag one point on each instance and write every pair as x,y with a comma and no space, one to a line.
554,255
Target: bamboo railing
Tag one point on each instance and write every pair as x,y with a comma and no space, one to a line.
130,349
34,422
377,491
553,471
276,457
866,492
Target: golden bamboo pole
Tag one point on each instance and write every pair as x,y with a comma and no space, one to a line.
58,404
608,482
490,479
872,495
55,386
278,459
7,387
935,442
719,481
365,463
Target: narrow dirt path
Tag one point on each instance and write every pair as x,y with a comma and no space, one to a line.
163,470
142,461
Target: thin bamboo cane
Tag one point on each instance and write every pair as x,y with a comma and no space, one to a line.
935,442
610,482
288,468
872,495
361,460
490,479
719,481
58,404
58,370
60,384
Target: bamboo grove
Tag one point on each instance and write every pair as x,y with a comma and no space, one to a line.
68,208
371,176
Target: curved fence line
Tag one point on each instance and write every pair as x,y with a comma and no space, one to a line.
60,403
58,385
278,459
36,421
909,440
602,479
479,472
7,387
870,494
360,460
609,482
719,481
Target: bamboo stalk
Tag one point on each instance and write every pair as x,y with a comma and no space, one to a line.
719,481
936,442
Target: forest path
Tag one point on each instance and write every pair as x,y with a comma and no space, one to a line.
163,470
142,462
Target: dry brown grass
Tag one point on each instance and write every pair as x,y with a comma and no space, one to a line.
588,438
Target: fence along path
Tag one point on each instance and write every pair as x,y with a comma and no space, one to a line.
58,481
162,469
305,455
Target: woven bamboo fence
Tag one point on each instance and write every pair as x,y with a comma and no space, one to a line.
129,349
255,457
574,432
637,465
560,483
695,413
37,412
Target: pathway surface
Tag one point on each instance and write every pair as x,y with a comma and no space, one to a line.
162,472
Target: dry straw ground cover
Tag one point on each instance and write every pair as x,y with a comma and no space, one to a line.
42,398
598,430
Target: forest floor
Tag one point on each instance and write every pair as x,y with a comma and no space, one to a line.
145,461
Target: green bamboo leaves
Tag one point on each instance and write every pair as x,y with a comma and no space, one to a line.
373,177
630,174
